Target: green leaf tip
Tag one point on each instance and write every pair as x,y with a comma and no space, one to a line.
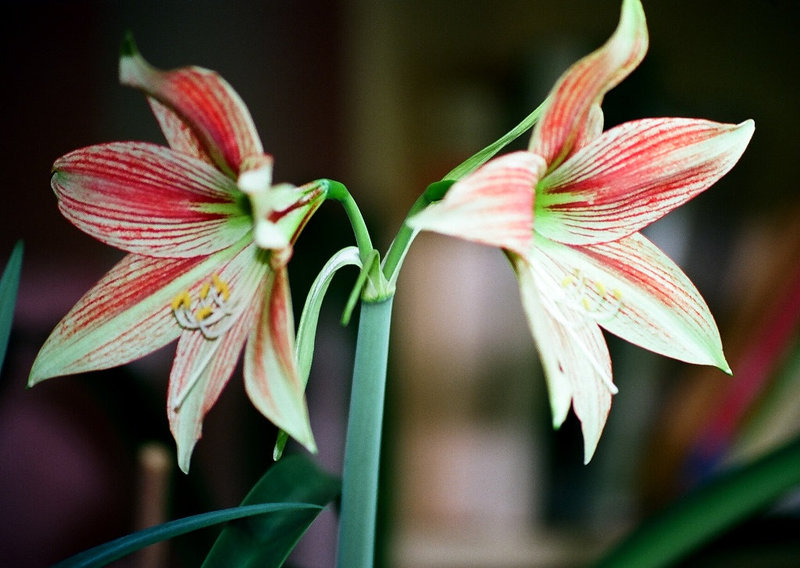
128,47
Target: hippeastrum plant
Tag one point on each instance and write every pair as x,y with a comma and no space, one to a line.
208,237
568,212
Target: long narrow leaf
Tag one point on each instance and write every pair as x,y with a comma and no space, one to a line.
705,513
116,549
482,156
266,541
9,284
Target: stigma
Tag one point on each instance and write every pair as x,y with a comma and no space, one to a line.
205,311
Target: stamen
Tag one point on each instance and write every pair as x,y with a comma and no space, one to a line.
591,295
221,287
204,290
209,309
182,299
203,313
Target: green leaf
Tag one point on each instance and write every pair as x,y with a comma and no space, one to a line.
266,541
474,162
116,549
664,539
9,284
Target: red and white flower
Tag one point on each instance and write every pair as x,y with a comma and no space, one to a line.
568,213
208,238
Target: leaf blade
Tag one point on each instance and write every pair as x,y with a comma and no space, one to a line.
9,284
266,541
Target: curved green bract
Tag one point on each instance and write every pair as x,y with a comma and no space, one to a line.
307,329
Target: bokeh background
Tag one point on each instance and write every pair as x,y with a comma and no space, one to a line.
387,97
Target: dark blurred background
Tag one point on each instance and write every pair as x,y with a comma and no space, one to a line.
387,97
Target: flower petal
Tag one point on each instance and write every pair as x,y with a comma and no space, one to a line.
270,368
633,175
147,199
633,290
203,366
574,357
564,119
204,101
124,317
179,136
493,205
592,129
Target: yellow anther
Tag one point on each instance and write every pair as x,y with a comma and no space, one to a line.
182,299
221,286
205,290
616,294
567,281
203,313
206,310
585,303
600,289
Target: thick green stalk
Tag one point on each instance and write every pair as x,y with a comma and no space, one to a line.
363,444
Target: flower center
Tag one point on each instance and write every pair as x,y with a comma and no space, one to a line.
205,311
592,295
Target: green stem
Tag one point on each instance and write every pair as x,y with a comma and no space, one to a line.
338,192
666,538
363,444
405,236
399,247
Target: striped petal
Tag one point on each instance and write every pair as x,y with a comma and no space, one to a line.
634,174
582,86
270,367
203,366
179,136
124,317
493,205
574,357
147,199
204,101
633,290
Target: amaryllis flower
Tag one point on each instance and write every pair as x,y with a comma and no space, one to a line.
209,238
568,213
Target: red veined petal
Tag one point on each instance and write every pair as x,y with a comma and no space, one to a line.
633,290
124,317
148,199
204,101
574,356
179,136
564,120
203,366
270,367
493,205
591,129
634,174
